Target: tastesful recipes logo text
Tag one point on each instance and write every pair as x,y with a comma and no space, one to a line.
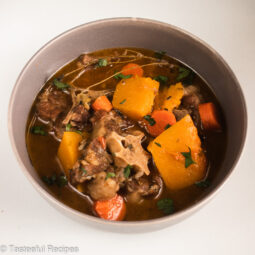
40,249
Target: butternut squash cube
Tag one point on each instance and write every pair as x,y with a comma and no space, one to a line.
167,151
68,152
134,97
173,96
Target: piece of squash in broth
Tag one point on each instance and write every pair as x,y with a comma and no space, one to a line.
173,96
167,151
134,96
68,152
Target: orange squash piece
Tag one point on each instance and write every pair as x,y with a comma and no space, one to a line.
68,152
167,151
134,96
173,97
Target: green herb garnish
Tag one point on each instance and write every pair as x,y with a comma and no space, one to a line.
151,121
166,205
167,126
159,54
37,130
68,127
188,159
203,184
110,175
49,180
60,180
161,79
60,85
183,73
84,171
158,144
123,101
127,171
102,62
120,76
77,131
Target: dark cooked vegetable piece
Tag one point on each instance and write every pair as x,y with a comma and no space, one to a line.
131,129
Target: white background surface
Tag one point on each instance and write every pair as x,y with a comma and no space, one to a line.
226,225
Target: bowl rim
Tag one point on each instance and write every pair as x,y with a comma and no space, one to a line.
174,217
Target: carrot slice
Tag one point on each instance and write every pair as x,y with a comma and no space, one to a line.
102,141
208,115
133,69
112,209
102,103
160,121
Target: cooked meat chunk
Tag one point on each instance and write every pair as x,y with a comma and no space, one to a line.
180,113
95,159
192,97
51,104
86,59
79,116
96,155
127,150
103,123
143,186
102,188
191,101
58,128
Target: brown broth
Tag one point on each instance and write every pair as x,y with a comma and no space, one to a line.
42,150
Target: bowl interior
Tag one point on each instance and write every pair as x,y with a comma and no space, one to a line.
130,33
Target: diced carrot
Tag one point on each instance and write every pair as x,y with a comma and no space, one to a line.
160,121
208,115
112,209
102,141
102,103
133,69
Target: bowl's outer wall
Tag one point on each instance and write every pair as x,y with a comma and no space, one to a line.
132,33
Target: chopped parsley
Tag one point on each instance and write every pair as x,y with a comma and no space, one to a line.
166,206
120,76
158,144
159,54
151,121
49,180
188,159
102,62
60,180
84,171
161,79
203,184
167,126
77,131
185,75
68,127
127,171
123,101
110,175
37,130
60,85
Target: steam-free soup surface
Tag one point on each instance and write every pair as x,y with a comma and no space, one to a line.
126,134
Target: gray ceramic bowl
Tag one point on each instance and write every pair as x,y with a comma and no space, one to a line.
121,32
